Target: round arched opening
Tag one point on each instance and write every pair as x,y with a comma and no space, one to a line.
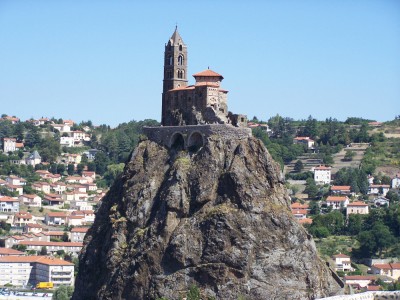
195,141
177,141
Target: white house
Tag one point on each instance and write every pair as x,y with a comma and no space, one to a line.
304,140
53,247
31,200
56,218
33,159
67,141
359,280
9,145
342,263
337,202
357,207
391,270
396,182
381,201
23,218
378,189
78,234
322,175
8,204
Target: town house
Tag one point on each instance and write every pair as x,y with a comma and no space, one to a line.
8,204
337,202
322,175
357,207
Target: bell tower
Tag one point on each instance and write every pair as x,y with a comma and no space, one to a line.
175,67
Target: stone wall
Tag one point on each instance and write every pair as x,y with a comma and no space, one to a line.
168,135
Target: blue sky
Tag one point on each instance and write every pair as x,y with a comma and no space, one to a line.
103,60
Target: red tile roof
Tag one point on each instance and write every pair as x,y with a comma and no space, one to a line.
42,243
80,229
336,198
322,168
208,73
34,258
340,188
341,256
9,251
8,199
305,221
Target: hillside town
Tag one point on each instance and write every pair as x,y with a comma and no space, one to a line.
48,199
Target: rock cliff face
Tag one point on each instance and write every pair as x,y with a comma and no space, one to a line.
218,218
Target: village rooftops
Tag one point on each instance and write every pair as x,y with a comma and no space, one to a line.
10,251
35,259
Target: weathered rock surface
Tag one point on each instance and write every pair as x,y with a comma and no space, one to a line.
218,218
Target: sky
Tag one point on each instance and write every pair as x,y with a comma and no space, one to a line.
103,60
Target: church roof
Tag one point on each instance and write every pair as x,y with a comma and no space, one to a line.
176,38
208,73
35,155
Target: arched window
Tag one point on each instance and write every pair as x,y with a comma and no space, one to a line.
180,47
183,74
180,74
180,60
170,60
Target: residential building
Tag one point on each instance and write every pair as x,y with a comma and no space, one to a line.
53,199
15,180
322,175
76,220
10,252
33,228
359,280
23,218
41,187
18,189
56,218
396,182
340,190
21,270
78,234
33,159
357,207
8,204
391,270
10,241
9,145
379,189
66,141
342,263
337,202
304,140
13,120
53,247
32,200
381,201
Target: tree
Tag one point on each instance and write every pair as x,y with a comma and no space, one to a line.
65,237
393,196
314,208
349,156
71,169
101,161
43,251
63,293
298,167
355,224
311,188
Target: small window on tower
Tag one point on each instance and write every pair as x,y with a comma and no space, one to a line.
180,60
180,47
170,60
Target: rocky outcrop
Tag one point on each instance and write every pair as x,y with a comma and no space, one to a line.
218,218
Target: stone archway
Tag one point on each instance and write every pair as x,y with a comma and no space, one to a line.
177,141
195,141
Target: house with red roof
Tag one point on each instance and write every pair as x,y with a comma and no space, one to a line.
10,252
9,204
322,175
342,262
391,270
23,218
78,234
31,200
340,190
56,218
304,140
378,189
337,202
357,207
